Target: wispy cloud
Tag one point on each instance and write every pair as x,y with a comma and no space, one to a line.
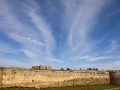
95,58
99,58
112,65
8,62
31,47
65,33
50,59
8,20
11,23
23,40
115,65
113,46
79,19
30,54
35,44
84,15
4,47
42,26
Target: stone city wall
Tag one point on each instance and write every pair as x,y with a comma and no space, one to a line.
0,77
48,78
115,77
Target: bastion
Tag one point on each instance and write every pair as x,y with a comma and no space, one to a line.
115,77
43,76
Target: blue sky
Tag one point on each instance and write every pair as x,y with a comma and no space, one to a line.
61,33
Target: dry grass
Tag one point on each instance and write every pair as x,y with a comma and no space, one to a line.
82,87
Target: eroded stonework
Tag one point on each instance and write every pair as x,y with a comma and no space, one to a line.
115,77
10,77
41,67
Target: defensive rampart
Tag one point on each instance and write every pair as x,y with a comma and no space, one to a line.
0,78
115,77
17,77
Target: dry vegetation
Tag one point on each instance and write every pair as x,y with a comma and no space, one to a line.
82,87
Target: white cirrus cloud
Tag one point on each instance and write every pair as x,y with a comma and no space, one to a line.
78,21
4,47
114,65
7,18
43,27
113,46
9,62
83,15
51,59
30,54
64,32
95,58
23,40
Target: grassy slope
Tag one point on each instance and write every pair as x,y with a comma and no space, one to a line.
82,87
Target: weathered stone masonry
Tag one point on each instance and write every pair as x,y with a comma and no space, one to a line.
10,77
42,67
0,78
115,77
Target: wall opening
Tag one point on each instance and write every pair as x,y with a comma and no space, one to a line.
32,80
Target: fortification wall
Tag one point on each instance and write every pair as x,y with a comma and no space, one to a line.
115,77
48,78
0,77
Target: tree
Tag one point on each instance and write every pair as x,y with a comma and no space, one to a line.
62,69
67,68
96,69
89,69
